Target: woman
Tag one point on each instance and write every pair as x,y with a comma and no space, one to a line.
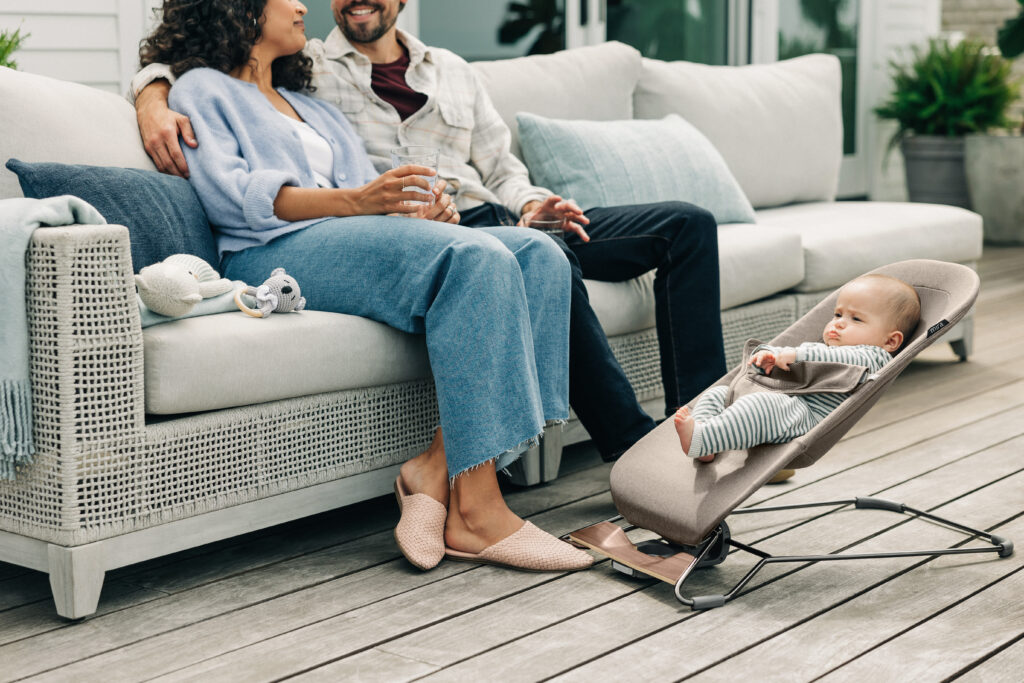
288,183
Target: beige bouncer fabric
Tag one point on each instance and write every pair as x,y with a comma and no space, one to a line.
655,486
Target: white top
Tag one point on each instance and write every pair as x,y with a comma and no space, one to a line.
318,152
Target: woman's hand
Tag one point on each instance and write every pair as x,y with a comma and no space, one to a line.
554,208
442,209
385,195
391,191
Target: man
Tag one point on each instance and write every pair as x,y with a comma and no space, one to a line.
397,91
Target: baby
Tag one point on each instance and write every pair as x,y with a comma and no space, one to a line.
874,314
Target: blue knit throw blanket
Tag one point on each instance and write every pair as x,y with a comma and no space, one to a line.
18,220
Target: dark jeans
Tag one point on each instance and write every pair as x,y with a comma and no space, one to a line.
680,242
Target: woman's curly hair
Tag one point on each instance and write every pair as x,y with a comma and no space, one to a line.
218,34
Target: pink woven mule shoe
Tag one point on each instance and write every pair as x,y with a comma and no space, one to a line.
529,549
420,531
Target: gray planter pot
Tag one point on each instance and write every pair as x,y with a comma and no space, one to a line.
995,178
935,170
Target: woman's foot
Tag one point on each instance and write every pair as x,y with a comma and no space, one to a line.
422,493
684,428
477,514
428,472
481,528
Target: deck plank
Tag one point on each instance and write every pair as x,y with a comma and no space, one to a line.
928,458
1003,667
330,598
244,585
671,641
943,645
352,602
832,638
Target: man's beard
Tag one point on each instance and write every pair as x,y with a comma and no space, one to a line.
364,33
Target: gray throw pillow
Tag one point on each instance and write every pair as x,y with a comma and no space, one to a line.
162,212
616,163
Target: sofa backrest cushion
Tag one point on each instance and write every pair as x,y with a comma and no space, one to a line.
615,163
594,82
779,126
162,212
45,119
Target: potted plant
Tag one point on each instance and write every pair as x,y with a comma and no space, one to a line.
9,42
995,163
945,92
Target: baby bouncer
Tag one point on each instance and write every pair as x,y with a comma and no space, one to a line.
656,487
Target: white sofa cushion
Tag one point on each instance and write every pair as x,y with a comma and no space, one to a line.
231,359
59,121
594,82
842,240
753,265
785,117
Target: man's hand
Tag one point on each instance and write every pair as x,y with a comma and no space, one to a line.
442,209
554,208
160,128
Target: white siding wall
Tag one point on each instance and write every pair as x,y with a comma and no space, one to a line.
95,42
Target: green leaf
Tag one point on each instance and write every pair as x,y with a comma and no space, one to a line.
947,89
1010,37
9,42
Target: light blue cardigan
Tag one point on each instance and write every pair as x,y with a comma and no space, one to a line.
247,152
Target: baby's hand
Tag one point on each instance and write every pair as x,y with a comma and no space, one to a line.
785,358
765,360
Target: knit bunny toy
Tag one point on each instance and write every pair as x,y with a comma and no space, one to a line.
279,293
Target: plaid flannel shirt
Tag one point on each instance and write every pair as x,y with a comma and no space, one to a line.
458,118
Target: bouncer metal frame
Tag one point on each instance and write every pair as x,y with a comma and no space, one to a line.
714,548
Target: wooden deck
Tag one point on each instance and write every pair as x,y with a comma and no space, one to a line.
330,598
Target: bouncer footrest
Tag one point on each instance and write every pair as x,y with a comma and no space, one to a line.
611,541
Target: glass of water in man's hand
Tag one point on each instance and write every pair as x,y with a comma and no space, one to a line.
417,155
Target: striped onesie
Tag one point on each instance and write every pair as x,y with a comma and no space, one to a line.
772,417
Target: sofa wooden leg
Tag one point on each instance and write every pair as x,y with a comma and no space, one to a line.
76,579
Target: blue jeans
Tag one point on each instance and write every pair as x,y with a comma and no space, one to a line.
679,241
493,304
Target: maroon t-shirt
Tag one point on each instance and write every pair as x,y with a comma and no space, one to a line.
388,81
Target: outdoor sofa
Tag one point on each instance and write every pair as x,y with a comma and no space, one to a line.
150,441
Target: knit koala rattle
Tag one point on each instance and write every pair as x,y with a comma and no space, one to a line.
278,293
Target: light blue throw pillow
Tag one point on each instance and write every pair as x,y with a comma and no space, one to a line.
611,163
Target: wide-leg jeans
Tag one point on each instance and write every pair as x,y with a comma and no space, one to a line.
493,304
679,241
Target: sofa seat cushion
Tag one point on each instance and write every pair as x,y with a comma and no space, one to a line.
842,240
231,359
753,265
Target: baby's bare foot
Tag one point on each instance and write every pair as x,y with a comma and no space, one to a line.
684,428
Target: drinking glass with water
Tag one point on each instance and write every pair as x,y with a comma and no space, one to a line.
417,155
